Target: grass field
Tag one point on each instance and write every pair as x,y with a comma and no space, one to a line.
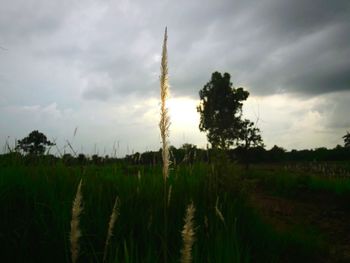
36,203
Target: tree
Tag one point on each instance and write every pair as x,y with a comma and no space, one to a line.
35,143
220,111
346,138
276,153
250,135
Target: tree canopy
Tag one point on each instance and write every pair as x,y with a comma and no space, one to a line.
346,138
250,135
220,111
35,143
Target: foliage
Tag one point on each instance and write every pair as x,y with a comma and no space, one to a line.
220,110
346,138
250,135
35,143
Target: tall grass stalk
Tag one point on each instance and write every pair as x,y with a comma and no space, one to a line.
164,125
112,220
169,194
75,232
218,212
188,235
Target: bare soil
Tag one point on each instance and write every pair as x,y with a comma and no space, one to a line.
323,212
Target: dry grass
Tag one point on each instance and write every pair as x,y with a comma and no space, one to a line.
112,220
188,235
75,232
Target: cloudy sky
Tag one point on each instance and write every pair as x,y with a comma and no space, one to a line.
94,65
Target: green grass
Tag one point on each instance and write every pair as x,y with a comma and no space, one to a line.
35,209
290,183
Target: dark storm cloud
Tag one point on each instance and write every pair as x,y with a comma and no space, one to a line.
269,46
275,46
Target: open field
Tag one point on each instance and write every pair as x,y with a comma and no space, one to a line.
253,168
265,214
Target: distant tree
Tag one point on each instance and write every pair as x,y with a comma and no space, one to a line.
346,138
68,159
35,143
276,153
278,150
220,111
82,159
189,152
188,146
96,159
249,137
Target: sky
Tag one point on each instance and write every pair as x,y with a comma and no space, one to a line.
88,71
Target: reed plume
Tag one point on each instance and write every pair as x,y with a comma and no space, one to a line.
75,232
164,123
112,220
188,235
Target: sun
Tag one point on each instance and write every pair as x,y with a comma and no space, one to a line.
183,112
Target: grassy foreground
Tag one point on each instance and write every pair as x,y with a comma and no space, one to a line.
36,203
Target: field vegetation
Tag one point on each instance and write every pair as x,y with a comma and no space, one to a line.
36,204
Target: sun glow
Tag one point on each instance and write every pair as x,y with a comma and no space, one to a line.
184,120
183,112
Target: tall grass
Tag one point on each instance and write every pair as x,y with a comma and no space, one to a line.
111,224
164,125
35,208
75,232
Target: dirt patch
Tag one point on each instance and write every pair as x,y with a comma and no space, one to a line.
311,211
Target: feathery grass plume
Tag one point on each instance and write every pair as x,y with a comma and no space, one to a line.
112,220
188,235
75,232
164,123
218,212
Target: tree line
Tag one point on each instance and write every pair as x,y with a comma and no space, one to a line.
221,118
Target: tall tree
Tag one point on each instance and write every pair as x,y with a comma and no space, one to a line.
220,111
35,143
346,138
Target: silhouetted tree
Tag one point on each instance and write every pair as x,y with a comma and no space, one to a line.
276,153
96,159
82,159
346,138
35,143
220,110
189,152
249,136
68,159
